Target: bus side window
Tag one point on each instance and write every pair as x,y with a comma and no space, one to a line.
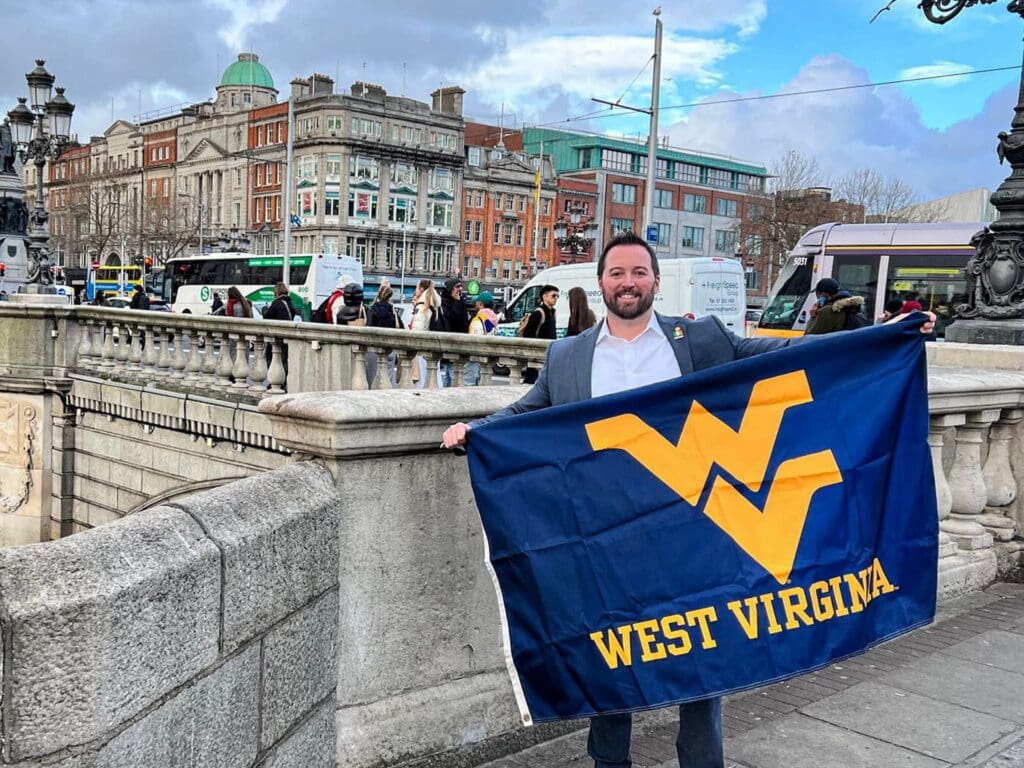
525,303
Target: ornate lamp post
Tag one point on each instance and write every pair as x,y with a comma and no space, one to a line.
233,241
35,143
574,234
995,274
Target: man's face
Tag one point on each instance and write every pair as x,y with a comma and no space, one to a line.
457,291
550,298
628,284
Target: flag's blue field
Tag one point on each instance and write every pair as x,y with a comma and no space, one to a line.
714,532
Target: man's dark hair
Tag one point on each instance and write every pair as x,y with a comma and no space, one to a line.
627,238
546,290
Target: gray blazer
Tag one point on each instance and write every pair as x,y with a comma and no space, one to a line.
566,375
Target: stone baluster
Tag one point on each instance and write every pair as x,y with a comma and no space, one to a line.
124,335
194,365
109,352
967,483
209,367
179,361
163,361
359,367
515,371
84,356
97,344
225,364
433,364
241,370
943,497
149,354
458,366
258,374
486,371
406,362
276,375
135,352
1000,485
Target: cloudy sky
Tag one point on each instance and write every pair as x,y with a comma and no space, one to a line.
545,59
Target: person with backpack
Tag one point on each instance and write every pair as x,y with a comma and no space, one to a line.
238,305
280,309
540,324
484,323
837,309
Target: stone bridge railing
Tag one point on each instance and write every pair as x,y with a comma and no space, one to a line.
230,357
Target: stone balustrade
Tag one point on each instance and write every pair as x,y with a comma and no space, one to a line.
248,359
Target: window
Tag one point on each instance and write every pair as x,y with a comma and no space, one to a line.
497,201
330,245
621,225
545,206
362,205
506,269
332,203
497,233
479,232
519,235
441,180
755,212
753,279
310,125
693,237
404,175
510,202
436,257
664,235
753,245
364,169
725,240
268,208
412,135
662,198
238,210
307,203
663,169
469,198
469,231
688,172
544,238
623,193
508,234
619,161
333,166
334,123
725,208
719,178
307,167
443,140
439,214
370,128
695,203
474,157
522,203
479,198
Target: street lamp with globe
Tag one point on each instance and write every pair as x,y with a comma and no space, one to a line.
575,233
40,133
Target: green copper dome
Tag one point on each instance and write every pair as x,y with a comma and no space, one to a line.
247,71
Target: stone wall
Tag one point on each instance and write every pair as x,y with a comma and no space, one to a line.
199,633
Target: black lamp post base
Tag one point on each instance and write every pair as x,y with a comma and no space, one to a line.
1009,332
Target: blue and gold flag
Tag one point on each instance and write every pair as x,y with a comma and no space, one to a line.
715,532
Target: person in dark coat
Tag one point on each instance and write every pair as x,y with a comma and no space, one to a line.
139,299
837,309
541,324
280,309
456,320
382,315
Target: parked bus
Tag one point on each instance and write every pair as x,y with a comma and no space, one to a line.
189,283
924,262
115,281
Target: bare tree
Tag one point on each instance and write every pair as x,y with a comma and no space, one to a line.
169,228
886,199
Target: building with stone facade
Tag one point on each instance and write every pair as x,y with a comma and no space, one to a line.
508,217
374,175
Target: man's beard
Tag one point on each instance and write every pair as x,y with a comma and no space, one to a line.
643,303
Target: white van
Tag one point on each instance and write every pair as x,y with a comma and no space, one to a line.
692,288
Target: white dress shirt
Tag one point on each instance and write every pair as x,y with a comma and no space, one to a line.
620,364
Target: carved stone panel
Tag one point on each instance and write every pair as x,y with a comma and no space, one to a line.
21,469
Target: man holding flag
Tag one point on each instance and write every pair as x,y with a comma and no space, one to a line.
635,347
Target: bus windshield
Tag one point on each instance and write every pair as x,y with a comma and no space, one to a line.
789,292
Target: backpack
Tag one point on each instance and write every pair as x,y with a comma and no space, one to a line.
438,322
521,330
319,315
855,320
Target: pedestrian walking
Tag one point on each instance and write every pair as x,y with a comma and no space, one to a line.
484,323
540,324
217,308
139,299
382,315
426,316
633,347
238,305
455,319
581,316
280,308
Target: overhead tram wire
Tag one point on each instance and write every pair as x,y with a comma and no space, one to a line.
606,113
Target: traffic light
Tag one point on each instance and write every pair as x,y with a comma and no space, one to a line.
3,269
148,261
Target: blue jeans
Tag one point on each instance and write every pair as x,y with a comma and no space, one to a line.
699,744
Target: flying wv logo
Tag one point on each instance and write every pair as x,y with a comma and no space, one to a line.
771,537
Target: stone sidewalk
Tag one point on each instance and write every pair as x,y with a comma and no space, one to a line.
951,694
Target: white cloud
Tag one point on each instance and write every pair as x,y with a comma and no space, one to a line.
245,14
879,128
531,68
936,69
745,16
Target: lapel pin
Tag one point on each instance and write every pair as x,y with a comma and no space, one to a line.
677,333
